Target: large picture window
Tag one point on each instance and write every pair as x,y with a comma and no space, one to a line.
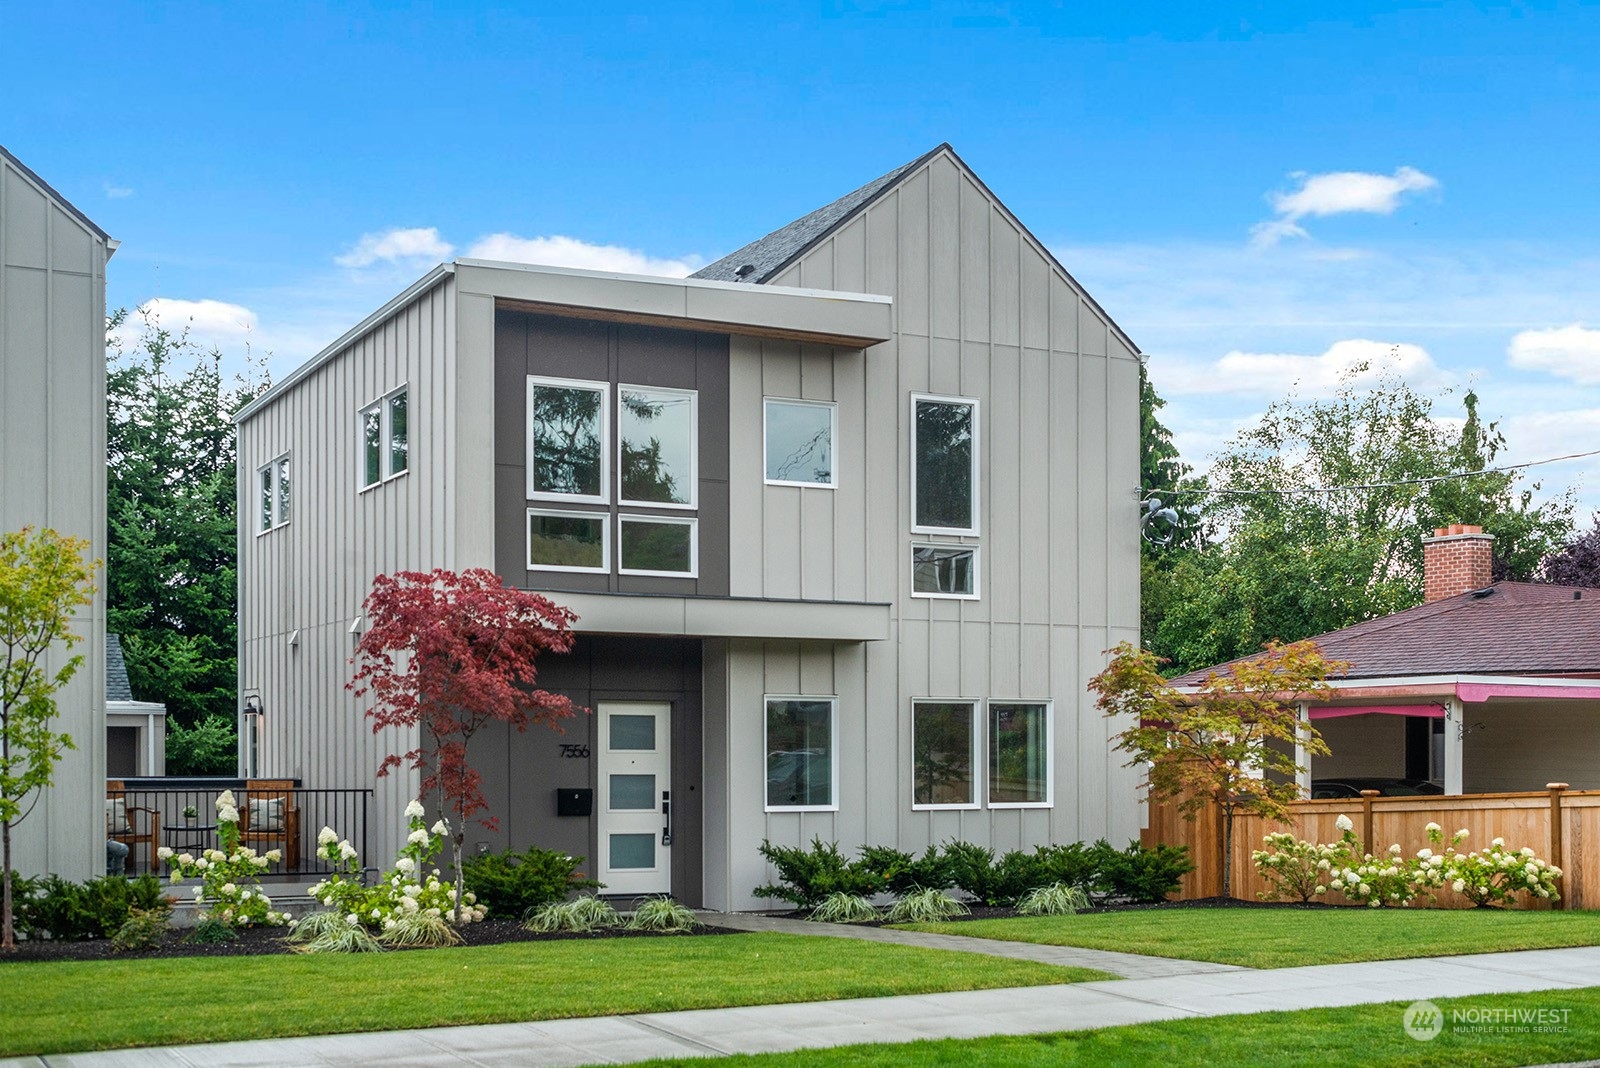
944,465
802,753
799,443
568,541
944,740
272,495
567,440
657,546
944,571
656,442
385,427
1019,754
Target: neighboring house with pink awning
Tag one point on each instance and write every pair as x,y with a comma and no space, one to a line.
1487,687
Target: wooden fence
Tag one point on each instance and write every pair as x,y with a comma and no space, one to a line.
1524,819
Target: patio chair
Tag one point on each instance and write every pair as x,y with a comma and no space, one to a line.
132,825
268,819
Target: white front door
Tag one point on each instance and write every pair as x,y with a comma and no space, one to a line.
635,792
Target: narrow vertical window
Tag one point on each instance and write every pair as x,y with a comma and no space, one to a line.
398,443
944,465
283,492
944,737
567,440
272,494
371,447
1019,754
802,752
264,480
385,430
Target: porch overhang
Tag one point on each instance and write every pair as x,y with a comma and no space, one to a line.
661,615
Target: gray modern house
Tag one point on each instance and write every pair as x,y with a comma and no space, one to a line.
849,518
53,471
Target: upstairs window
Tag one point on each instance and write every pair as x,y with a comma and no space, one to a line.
566,440
944,465
656,446
272,495
799,443
944,571
385,438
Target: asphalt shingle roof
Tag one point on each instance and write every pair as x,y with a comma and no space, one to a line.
117,687
771,254
1519,628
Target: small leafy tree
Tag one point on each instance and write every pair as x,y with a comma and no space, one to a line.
43,580
1229,744
450,653
1577,563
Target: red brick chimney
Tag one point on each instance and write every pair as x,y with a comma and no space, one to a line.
1456,559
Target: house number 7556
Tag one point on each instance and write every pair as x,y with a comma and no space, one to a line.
575,752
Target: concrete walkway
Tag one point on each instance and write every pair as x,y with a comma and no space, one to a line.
771,1028
1127,965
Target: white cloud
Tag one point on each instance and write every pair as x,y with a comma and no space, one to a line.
1567,351
400,247
208,322
117,192
1338,193
1275,373
559,251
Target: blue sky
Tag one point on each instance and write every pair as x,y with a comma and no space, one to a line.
1259,193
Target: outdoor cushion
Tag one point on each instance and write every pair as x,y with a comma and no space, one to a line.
266,814
117,816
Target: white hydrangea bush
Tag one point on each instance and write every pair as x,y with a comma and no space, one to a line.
1295,869
229,889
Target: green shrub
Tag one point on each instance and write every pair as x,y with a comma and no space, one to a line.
513,884
925,906
1057,899
902,872
841,907
210,931
141,930
418,930
664,915
96,908
972,869
807,876
1137,873
581,915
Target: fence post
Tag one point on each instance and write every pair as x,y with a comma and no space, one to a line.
1556,857
1366,819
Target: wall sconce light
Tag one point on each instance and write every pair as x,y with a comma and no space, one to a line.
253,705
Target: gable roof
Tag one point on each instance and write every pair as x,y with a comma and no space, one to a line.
66,205
117,686
770,256
1510,628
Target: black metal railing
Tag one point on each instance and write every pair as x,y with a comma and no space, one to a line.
280,814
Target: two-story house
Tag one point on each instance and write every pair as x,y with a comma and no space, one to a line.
848,517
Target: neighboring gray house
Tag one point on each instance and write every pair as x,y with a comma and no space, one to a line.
53,470
136,731
849,518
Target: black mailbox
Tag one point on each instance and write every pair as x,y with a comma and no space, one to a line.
575,801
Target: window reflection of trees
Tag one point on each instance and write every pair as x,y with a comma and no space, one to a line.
567,450
942,753
647,474
944,465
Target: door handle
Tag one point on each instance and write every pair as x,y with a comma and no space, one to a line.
666,817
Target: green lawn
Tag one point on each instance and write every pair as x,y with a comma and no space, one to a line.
1285,938
51,1007
1366,1035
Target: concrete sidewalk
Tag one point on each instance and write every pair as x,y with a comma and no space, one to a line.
771,1028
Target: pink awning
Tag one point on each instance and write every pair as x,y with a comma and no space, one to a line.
1426,711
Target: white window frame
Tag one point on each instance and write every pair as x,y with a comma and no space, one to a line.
692,522
694,448
833,441
980,754
977,571
385,446
602,388
277,521
1049,751
833,750
977,465
605,541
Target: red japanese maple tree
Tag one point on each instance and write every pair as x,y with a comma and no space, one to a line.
449,653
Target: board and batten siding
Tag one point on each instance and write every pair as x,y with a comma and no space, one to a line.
981,312
307,581
53,474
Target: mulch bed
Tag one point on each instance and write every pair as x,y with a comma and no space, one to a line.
261,941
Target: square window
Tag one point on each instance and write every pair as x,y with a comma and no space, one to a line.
802,753
1019,754
944,740
799,443
657,546
656,442
944,465
567,439
568,541
944,571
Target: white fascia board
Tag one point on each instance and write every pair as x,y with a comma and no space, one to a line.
849,320
135,708
1447,683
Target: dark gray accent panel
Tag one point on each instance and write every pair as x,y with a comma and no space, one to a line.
523,771
559,347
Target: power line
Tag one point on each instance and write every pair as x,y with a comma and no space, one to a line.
1428,481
